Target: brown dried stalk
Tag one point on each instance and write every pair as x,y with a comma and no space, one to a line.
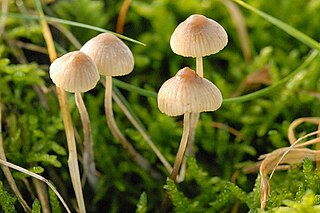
284,157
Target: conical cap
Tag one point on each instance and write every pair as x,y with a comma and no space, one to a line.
111,55
187,92
198,36
74,72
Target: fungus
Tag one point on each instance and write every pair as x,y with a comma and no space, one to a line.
113,58
76,72
183,94
197,36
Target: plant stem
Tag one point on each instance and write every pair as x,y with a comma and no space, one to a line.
42,195
143,133
73,160
88,154
39,177
6,170
122,16
141,161
179,158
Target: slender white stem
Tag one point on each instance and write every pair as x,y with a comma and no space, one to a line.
182,146
179,158
193,123
88,156
141,161
145,136
199,66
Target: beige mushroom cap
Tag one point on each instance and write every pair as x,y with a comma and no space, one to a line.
198,36
187,92
74,72
111,55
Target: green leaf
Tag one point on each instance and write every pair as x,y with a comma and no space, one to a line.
142,204
36,207
283,26
54,202
6,201
44,158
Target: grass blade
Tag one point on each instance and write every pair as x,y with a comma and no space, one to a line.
71,23
283,26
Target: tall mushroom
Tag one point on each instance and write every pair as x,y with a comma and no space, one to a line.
183,94
196,37
113,58
76,72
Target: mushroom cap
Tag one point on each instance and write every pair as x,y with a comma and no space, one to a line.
111,55
198,36
187,92
74,72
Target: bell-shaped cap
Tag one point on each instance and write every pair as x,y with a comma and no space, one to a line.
187,92
198,36
74,72
111,55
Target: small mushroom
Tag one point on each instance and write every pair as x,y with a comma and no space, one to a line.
76,72
198,36
183,94
113,58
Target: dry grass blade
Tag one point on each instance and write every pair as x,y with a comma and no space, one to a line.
297,122
241,28
39,177
287,155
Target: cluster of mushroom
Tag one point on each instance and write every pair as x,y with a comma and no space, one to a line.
78,71
188,91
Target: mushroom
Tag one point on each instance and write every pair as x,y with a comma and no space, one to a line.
198,36
113,58
76,72
183,94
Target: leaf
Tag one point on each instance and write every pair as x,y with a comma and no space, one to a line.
44,158
36,207
6,201
283,26
54,202
142,204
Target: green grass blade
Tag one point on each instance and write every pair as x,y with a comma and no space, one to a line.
127,105
283,26
71,23
132,88
275,86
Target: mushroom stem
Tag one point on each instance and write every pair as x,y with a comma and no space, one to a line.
182,146
199,66
88,156
141,161
179,158
193,120
73,159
